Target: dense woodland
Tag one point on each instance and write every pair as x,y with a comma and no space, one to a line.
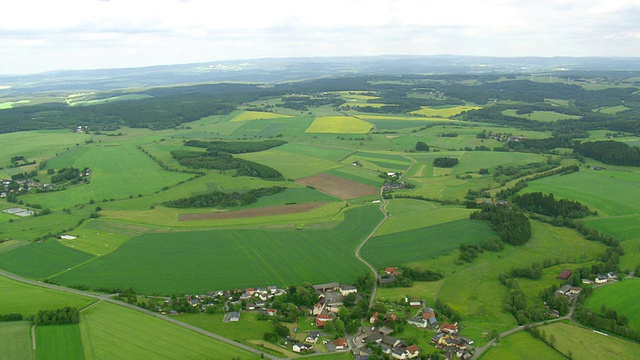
224,200
220,160
235,147
513,227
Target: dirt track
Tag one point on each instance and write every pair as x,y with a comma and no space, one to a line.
265,211
336,186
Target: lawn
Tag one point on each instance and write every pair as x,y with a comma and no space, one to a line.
592,188
42,259
117,172
339,125
424,243
16,297
140,336
621,296
581,343
523,346
15,341
201,261
58,342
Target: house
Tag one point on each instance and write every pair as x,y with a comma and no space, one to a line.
386,279
564,290
419,322
340,343
232,316
348,289
318,308
449,328
392,174
398,354
374,317
601,279
612,276
413,351
322,318
374,338
391,270
312,337
390,341
588,281
300,347
328,286
414,303
564,275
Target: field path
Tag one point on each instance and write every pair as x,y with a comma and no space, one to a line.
386,216
108,298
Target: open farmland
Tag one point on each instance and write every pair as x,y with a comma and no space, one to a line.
168,262
545,116
444,111
338,187
140,336
255,212
15,341
40,260
257,115
58,342
622,297
339,125
27,300
582,343
522,345
424,243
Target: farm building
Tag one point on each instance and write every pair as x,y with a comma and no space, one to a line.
564,275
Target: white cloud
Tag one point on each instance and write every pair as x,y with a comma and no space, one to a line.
99,33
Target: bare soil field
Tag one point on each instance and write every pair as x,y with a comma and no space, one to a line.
265,211
336,186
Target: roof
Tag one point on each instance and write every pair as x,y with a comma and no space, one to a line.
340,342
412,349
324,317
564,275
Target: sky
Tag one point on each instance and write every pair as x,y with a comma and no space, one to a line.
44,35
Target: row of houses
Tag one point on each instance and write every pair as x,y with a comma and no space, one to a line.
449,340
424,320
394,347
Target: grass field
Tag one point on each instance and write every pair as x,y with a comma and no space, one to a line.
474,289
522,345
58,342
40,260
9,104
15,341
420,289
339,125
195,262
117,172
408,214
306,165
257,115
611,109
140,336
545,116
27,300
581,343
100,236
594,190
445,112
37,145
424,243
621,296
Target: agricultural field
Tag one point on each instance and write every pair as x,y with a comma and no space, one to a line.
622,297
41,260
577,342
444,111
257,115
15,341
27,299
268,257
424,243
338,187
522,345
58,342
10,104
36,145
339,125
544,116
141,336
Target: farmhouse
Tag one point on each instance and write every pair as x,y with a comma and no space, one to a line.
418,322
232,317
300,347
318,308
312,337
348,289
340,343
325,287
601,279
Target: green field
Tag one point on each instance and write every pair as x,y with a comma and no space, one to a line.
15,341
521,345
140,336
257,115
424,243
27,300
305,165
339,125
408,214
546,116
37,145
9,104
621,296
40,260
593,190
420,289
445,112
195,262
58,342
108,164
582,343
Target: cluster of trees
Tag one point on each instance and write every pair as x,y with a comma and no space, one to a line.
548,205
446,310
469,252
530,272
445,162
302,103
609,321
224,161
11,317
610,152
235,147
420,274
65,315
222,199
539,145
513,227
422,146
68,174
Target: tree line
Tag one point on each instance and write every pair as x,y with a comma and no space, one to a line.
548,205
224,200
235,147
512,227
220,160
610,152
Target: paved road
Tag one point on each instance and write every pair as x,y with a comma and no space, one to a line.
103,297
